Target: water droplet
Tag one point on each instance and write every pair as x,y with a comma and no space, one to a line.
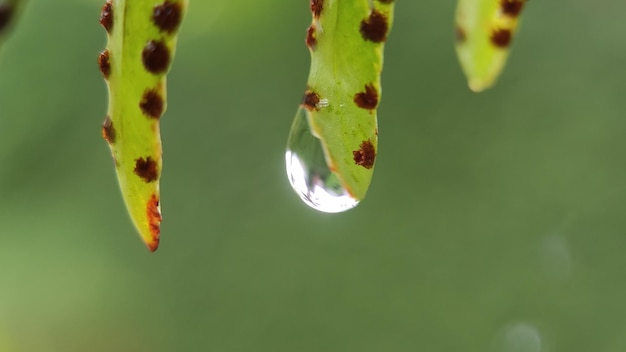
308,172
323,103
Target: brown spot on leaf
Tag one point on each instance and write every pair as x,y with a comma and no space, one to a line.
501,38
106,16
385,1
6,15
316,7
152,103
146,169
512,8
367,99
104,63
310,100
154,222
168,16
366,155
460,35
311,41
108,131
375,27
156,57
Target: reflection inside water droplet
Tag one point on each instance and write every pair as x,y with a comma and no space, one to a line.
308,172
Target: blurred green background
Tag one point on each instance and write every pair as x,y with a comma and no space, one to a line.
495,222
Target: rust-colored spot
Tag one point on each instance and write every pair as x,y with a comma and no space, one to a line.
6,14
460,35
168,16
512,8
152,103
375,27
104,63
106,16
156,57
310,100
367,99
311,41
146,169
316,7
108,131
366,155
154,222
385,1
501,38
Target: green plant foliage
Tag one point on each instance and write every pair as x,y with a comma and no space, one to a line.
338,112
142,41
484,33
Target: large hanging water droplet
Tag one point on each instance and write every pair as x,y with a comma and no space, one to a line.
309,173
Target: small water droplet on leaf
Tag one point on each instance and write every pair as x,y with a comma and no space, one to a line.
309,173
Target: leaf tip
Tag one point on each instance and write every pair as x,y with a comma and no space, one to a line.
479,85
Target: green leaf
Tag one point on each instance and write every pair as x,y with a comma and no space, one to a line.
142,41
346,42
484,33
